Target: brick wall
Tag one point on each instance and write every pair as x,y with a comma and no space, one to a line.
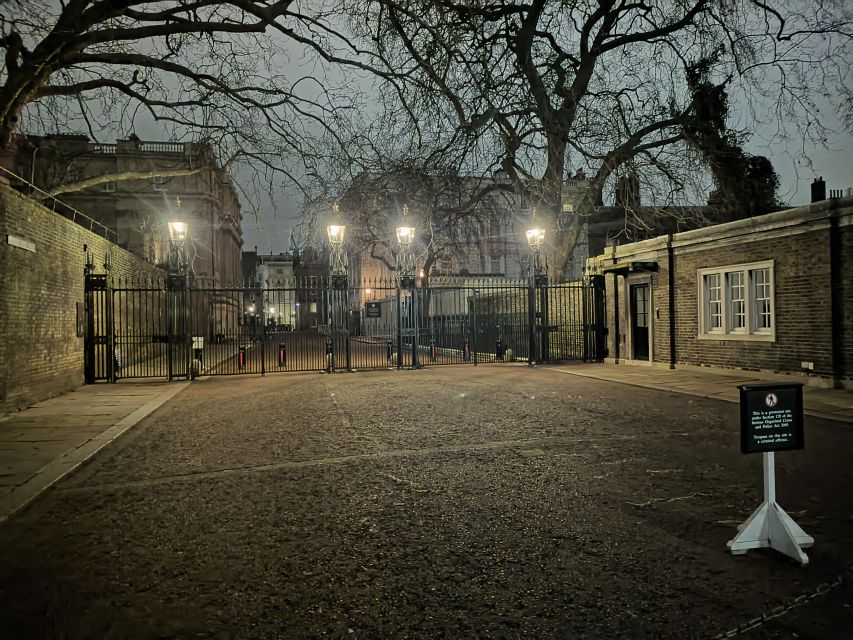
798,243
802,310
40,352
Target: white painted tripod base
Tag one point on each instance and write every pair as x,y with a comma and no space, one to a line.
770,526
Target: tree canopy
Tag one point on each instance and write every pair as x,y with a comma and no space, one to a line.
535,87
250,78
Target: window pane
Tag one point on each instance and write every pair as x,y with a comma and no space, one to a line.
736,292
761,299
713,302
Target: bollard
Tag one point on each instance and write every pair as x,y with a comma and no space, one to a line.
241,358
330,357
433,351
466,352
282,355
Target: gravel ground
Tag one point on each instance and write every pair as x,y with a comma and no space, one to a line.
488,502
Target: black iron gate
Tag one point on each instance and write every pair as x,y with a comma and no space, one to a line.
177,327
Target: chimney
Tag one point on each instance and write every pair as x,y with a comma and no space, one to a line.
818,190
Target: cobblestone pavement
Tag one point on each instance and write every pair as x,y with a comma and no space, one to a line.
488,502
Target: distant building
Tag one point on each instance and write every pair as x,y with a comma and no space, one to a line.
487,239
139,210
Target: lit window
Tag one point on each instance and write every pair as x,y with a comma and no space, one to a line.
737,302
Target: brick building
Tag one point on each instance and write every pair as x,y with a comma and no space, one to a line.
768,293
139,210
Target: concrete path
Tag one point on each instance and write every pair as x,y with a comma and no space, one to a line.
47,441
832,404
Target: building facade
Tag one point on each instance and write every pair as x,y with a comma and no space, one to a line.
767,293
139,210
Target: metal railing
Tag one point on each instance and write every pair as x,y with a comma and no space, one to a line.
105,148
65,210
179,328
161,147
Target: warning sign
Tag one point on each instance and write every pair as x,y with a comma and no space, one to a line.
372,310
771,417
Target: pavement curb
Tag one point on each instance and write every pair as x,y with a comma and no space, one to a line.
51,473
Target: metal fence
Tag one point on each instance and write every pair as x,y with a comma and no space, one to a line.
177,327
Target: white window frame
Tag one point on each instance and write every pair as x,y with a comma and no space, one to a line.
749,332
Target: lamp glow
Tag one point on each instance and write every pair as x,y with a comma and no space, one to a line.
177,230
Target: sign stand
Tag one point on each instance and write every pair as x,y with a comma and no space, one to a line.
769,525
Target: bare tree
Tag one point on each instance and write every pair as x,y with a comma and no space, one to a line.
250,78
452,214
533,87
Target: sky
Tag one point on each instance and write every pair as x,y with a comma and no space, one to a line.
834,163
271,231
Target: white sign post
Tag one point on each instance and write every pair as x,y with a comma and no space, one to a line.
769,525
771,419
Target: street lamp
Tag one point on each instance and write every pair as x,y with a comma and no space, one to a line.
178,246
536,238
406,280
538,280
337,258
177,282
405,258
338,300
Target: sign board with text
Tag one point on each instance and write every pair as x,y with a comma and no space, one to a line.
372,310
771,417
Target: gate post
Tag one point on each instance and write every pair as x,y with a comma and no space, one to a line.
531,321
599,317
415,338
544,345
98,364
347,332
399,326
111,333
474,327
586,290
263,334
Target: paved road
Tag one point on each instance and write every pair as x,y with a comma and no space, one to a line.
496,502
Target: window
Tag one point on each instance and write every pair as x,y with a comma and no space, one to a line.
495,266
761,315
713,303
736,292
736,302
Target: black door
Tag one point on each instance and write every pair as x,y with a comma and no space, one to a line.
640,321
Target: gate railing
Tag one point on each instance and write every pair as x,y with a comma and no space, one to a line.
175,327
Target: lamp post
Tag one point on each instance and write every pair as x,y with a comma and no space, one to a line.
406,282
538,321
177,285
339,293
177,247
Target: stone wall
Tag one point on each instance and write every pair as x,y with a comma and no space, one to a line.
41,286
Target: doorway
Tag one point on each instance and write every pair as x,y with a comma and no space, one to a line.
640,321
